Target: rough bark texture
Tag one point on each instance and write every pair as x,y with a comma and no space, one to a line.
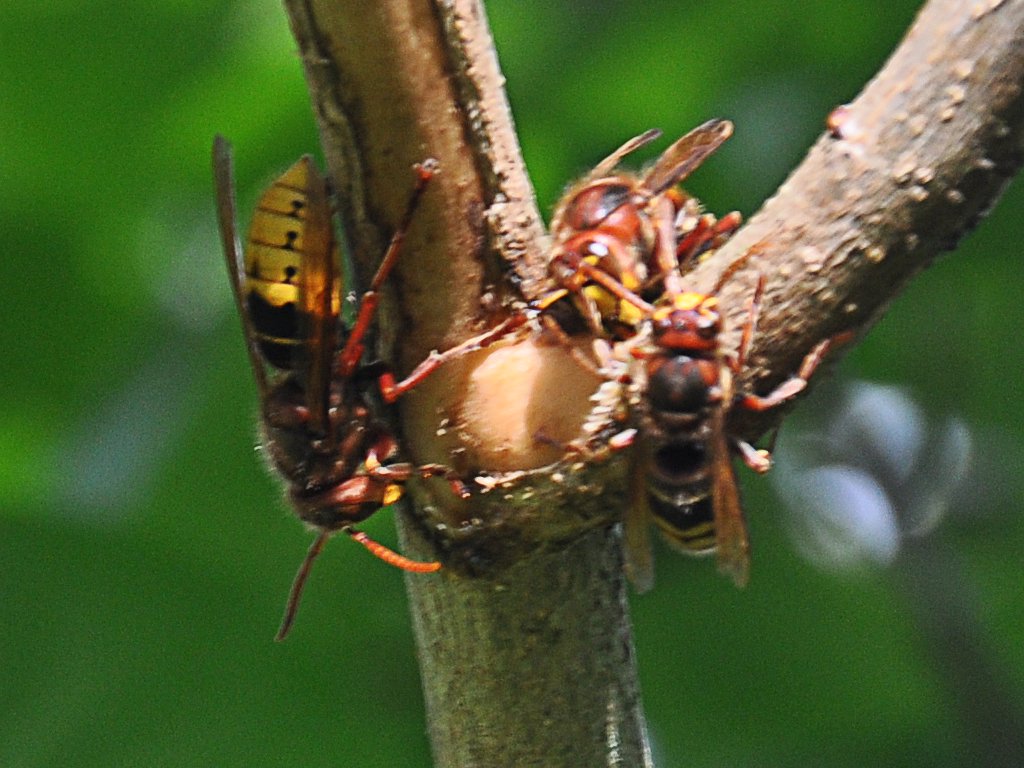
907,169
534,666
524,639
531,663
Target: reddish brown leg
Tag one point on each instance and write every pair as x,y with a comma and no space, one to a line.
726,227
617,442
563,340
707,234
691,244
391,389
386,554
391,557
455,482
735,267
352,353
794,386
785,391
371,487
666,263
614,287
390,473
749,326
758,459
816,355
399,473
299,584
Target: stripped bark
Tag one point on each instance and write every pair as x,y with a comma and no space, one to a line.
524,640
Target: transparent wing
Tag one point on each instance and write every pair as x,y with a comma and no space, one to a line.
686,155
607,165
318,276
224,186
731,537
636,529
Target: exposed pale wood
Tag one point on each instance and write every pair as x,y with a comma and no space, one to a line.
533,582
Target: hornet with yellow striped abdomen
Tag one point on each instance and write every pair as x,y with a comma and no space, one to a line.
677,388
318,426
618,237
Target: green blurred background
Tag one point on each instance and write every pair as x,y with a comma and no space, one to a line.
146,553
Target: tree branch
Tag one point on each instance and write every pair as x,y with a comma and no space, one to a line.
524,638
908,168
533,663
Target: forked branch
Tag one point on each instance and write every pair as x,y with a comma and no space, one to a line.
530,661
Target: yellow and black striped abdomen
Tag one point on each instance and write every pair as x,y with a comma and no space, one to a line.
679,495
688,527
680,463
276,266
